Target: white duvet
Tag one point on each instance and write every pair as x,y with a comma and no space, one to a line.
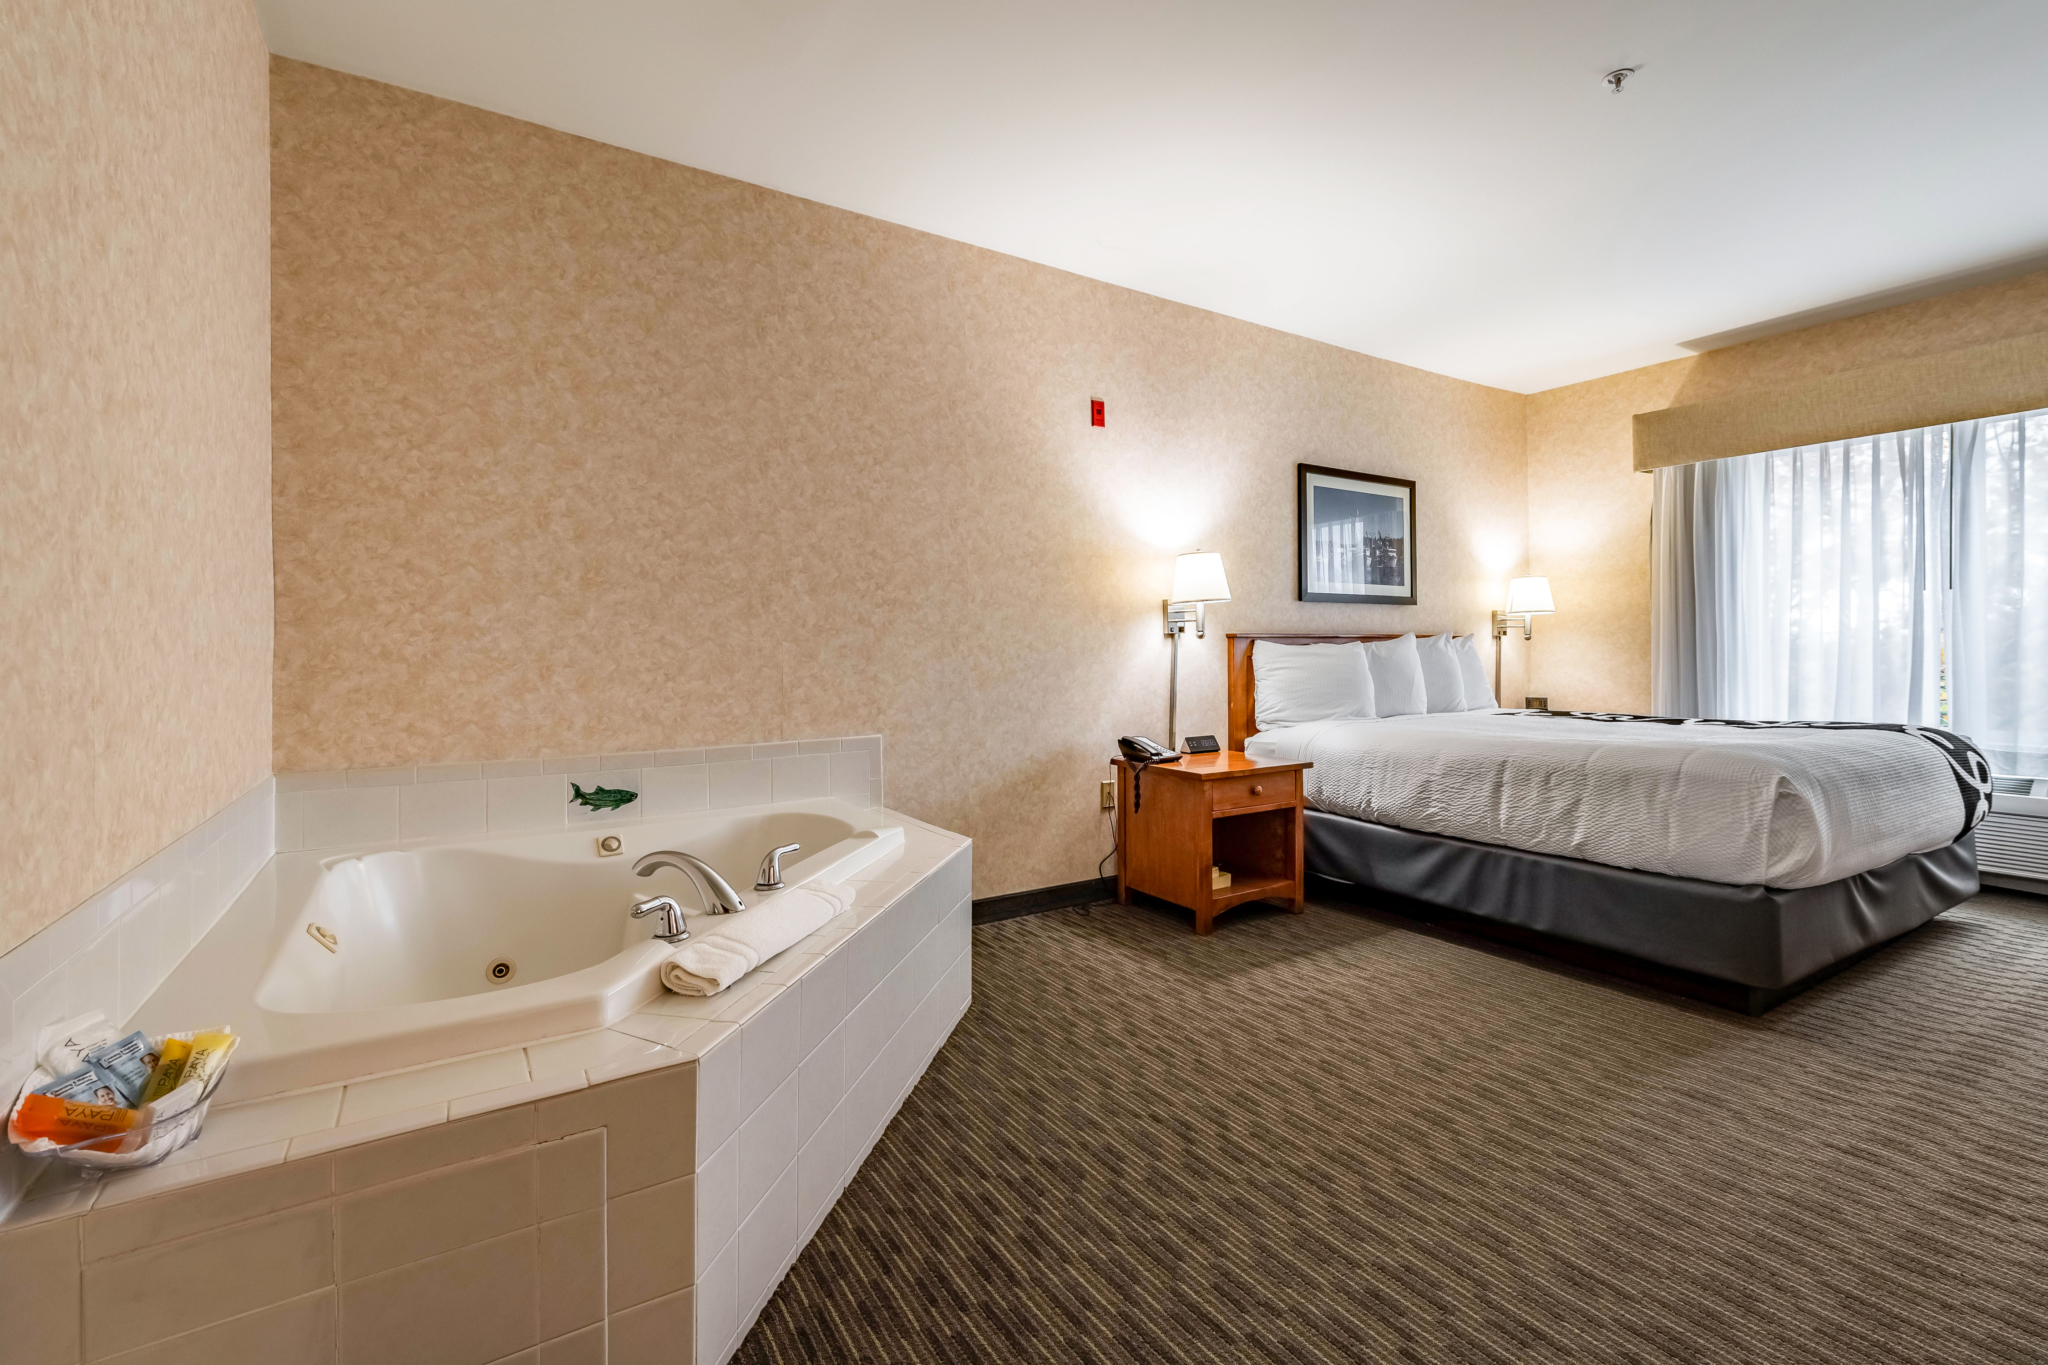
1783,808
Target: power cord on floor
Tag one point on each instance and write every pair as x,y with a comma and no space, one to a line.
1115,838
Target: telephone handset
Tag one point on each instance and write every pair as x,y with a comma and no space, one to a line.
1139,749
1141,753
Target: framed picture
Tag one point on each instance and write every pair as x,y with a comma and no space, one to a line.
1356,537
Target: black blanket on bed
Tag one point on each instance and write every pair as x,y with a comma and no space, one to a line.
1972,771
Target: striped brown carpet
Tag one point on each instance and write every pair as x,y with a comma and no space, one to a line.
1325,1138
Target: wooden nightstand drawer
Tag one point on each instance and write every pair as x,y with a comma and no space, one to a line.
1258,789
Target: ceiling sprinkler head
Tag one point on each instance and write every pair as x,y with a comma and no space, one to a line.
1617,76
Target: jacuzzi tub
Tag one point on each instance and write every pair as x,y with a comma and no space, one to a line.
340,964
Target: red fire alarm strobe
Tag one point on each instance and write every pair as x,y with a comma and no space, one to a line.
1095,417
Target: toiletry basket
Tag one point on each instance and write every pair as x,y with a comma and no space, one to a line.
174,1120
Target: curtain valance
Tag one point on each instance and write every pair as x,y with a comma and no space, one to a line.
1956,386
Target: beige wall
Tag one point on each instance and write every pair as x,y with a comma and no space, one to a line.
1589,512
1589,532
135,602
577,449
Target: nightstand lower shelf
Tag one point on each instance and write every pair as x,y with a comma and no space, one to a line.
1247,886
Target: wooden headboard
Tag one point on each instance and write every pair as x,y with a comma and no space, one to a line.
1243,710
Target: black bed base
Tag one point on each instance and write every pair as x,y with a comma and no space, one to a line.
1746,948
1471,931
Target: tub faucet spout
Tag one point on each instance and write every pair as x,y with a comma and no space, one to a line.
719,897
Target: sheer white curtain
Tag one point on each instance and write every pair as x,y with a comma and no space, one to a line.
1804,584
2001,603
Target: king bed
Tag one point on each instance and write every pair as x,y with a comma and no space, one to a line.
1734,862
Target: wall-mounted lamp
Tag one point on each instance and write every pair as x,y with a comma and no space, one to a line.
1528,598
1197,581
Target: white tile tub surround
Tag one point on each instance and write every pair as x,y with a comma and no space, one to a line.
336,808
789,1106
112,951
646,1185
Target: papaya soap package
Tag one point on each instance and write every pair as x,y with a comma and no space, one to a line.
209,1053
63,1048
129,1061
170,1069
54,1119
88,1084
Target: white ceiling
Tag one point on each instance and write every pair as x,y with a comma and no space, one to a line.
1444,183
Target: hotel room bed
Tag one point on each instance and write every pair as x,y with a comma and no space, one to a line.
1754,858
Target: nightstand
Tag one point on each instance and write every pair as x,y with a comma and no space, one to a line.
1222,810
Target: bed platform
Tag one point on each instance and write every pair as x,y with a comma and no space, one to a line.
1746,948
1749,946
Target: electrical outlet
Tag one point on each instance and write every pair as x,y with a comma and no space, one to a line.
1109,796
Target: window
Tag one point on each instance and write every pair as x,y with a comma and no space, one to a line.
1887,578
1997,620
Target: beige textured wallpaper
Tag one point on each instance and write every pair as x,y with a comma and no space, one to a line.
579,449
1589,532
1589,512
135,598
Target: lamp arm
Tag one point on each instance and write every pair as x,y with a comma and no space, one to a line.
1498,632
1173,693
1501,622
1180,617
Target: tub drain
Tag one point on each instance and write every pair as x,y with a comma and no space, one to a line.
502,970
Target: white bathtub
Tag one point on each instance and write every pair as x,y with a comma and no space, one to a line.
421,931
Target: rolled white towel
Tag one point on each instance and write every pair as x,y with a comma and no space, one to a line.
707,965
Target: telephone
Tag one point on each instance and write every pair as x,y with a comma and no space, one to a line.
1141,753
1139,749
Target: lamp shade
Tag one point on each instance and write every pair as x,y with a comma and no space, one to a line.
1530,597
1198,577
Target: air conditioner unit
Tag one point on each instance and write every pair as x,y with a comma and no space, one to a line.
2012,843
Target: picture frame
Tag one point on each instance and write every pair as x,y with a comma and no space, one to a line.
1354,537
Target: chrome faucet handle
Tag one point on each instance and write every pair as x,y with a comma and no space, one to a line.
671,928
771,868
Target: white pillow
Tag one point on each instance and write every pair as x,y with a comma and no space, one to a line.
1478,687
1443,681
1396,677
1295,684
